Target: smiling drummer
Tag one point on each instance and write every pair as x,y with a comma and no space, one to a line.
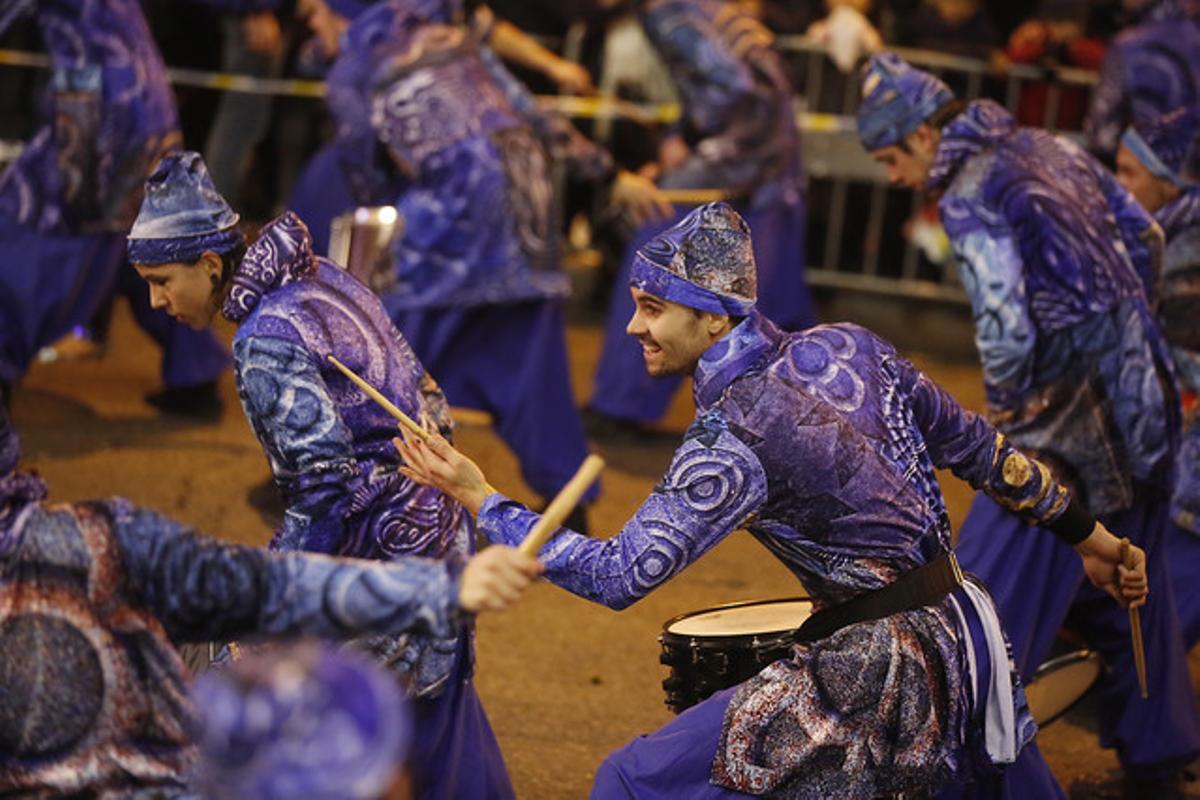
823,444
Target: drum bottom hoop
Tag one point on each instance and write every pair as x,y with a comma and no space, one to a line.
701,669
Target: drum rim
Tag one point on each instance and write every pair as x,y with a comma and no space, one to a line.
1075,656
666,626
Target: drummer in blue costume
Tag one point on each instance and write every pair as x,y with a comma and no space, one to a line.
1159,163
479,288
353,170
68,200
95,596
741,137
1151,67
328,444
1057,260
823,444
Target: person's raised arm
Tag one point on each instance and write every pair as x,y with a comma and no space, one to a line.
974,451
713,485
202,589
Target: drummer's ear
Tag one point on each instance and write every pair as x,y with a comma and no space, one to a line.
213,265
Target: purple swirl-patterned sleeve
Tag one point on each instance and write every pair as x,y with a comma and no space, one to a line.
305,439
713,484
973,450
202,589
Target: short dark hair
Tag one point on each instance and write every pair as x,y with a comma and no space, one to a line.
944,113
938,119
734,321
230,260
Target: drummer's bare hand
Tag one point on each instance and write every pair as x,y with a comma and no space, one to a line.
434,462
640,200
1101,554
495,579
570,77
261,33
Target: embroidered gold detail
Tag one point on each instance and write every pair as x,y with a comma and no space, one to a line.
1017,471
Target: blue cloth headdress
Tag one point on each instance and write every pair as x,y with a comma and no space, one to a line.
1169,146
705,261
182,214
306,723
896,99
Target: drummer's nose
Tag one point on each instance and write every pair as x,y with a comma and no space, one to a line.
158,297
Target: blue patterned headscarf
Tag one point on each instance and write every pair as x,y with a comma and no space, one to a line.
705,261
1169,146
896,99
182,214
305,723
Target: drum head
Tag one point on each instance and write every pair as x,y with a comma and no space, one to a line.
743,619
1061,683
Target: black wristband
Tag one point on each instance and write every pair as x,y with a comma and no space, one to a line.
1074,524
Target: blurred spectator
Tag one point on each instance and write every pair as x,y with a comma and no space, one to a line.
961,27
1056,38
846,33
252,44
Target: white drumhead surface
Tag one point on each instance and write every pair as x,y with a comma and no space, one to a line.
744,620
1054,690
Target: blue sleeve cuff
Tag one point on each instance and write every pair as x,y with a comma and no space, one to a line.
505,521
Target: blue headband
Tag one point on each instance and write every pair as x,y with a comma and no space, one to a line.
182,214
705,262
896,99
1169,146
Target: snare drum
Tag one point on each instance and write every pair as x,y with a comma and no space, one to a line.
716,648
1060,683
360,240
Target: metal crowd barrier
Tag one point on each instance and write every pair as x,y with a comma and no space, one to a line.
857,219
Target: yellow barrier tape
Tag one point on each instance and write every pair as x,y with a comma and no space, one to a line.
570,105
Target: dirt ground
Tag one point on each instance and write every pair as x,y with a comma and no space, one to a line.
564,681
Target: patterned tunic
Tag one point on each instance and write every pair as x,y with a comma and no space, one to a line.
1149,69
329,445
93,598
737,101
823,444
1058,261
1180,220
431,121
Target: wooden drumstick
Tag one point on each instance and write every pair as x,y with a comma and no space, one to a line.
387,405
1135,626
695,196
560,507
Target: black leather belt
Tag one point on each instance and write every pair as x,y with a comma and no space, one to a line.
923,586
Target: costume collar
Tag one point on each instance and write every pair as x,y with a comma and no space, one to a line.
732,356
980,126
282,253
